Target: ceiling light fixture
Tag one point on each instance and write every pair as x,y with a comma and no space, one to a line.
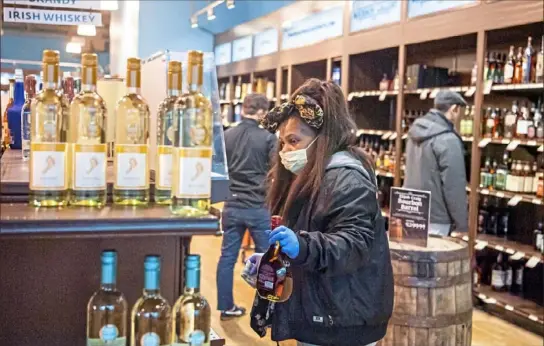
211,15
109,5
230,4
86,30
194,22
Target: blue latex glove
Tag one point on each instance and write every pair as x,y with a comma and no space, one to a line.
288,241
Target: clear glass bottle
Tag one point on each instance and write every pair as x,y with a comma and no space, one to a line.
87,135
107,309
165,135
30,90
510,66
539,68
191,177
49,174
510,120
528,59
151,315
192,313
131,163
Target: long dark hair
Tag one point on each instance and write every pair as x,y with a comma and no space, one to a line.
288,192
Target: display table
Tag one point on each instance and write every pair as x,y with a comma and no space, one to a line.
50,261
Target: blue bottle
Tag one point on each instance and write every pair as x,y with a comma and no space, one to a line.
14,112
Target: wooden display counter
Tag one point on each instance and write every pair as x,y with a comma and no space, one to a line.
50,261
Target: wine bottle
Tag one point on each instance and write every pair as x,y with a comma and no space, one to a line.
131,164
107,308
87,134
14,111
498,275
49,174
30,90
151,315
165,135
192,313
191,177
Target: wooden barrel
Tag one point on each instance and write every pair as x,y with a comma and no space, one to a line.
433,295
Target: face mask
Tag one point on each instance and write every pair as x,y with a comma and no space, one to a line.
294,161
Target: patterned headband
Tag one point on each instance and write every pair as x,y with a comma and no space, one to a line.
309,110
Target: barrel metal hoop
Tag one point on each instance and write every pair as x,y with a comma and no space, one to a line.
429,256
432,321
432,282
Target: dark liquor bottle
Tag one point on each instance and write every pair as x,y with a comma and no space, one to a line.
510,66
528,62
539,124
508,275
503,221
483,215
518,69
498,275
502,173
539,69
517,283
538,237
488,123
492,219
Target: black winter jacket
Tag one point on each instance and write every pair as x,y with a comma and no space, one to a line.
342,277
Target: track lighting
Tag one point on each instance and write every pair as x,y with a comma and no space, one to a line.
211,15
230,4
194,22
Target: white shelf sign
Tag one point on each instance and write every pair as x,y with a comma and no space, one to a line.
266,42
366,14
51,17
223,53
421,7
242,48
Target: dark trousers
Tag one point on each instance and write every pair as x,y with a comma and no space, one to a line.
235,221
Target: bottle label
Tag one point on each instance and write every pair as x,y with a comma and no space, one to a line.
528,184
164,170
508,73
194,173
50,118
150,339
99,342
497,278
508,277
90,161
196,338
131,171
539,65
522,127
519,276
500,182
539,241
48,166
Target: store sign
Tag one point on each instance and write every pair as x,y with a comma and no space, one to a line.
242,48
52,17
367,14
266,42
80,4
314,28
223,54
410,216
421,7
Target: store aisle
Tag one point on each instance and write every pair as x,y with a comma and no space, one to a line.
487,330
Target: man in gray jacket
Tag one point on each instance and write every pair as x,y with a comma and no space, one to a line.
435,163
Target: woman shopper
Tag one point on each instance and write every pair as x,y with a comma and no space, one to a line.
333,233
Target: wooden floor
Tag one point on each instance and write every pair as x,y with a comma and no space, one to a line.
487,330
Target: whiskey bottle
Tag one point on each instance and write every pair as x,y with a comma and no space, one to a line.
510,121
517,282
518,69
483,214
503,221
498,275
87,133
470,122
521,177
539,69
538,237
30,90
539,124
49,175
528,59
510,66
131,184
508,275
528,178
522,122
384,83
192,152
166,128
492,223
6,138
531,126
502,174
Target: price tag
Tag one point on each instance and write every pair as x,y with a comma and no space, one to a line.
499,248
390,175
505,141
387,135
393,136
360,132
465,238
513,145
434,93
403,167
532,262
404,136
361,94
499,194
514,200
517,256
379,133
491,301
533,318
531,143
536,201
484,191
480,245
488,86
350,96
372,132
482,296
484,142
510,251
424,94
470,91
383,95
509,307
541,149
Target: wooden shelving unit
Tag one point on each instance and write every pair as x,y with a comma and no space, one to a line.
456,39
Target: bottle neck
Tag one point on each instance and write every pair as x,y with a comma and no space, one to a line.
19,93
88,78
133,81
173,92
194,76
11,90
51,76
108,278
192,280
151,282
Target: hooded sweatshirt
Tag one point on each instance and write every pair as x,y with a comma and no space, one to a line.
435,163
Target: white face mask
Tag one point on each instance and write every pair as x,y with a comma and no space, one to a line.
294,161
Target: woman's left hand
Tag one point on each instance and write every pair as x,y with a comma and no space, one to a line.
288,241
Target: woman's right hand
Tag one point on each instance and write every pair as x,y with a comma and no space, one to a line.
249,273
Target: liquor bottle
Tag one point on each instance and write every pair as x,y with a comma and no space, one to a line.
492,66
191,177
538,236
518,69
463,123
48,168
87,134
498,275
502,173
30,90
485,174
68,88
271,274
489,123
520,177
238,88
498,72
522,122
528,59
192,313
503,221
535,174
508,275
131,181
531,123
384,83
517,282
539,69
486,66
540,184
510,66
483,215
492,224
470,122
6,138
496,115
477,276
474,74
14,111
510,121
165,135
529,178
539,124
107,308
151,315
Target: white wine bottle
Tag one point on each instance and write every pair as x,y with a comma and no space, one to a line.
151,315
87,135
107,308
192,313
165,135
191,175
131,162
49,174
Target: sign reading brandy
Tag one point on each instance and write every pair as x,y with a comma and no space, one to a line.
410,215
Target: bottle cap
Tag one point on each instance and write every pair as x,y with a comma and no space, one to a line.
89,59
192,262
195,57
109,257
50,56
133,64
152,262
174,66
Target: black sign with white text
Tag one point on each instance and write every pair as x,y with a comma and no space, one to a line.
410,214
